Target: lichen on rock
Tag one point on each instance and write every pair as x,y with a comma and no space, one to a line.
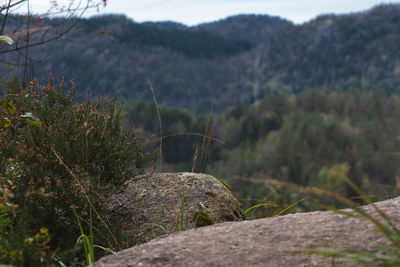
161,203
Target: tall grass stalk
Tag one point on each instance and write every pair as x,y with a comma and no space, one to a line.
181,212
205,151
159,119
86,240
196,151
86,196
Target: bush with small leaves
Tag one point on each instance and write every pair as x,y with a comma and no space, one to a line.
43,126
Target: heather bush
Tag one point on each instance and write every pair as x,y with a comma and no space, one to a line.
57,154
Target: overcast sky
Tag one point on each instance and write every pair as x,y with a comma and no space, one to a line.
192,12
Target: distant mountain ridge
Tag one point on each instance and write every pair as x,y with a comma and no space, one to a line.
253,28
175,37
211,66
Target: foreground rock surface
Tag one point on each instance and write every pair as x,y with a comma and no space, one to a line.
276,241
157,204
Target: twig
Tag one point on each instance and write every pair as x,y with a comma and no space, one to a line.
5,17
28,24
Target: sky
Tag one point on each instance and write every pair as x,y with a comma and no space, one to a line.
193,12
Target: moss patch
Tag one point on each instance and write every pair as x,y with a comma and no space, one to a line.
202,219
226,184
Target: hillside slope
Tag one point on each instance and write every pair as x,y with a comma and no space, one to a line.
211,66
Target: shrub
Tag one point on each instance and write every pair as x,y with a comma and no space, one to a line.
43,125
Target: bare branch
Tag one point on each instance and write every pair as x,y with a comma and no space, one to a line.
28,31
5,17
58,36
11,5
24,80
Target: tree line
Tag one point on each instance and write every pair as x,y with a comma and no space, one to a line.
308,140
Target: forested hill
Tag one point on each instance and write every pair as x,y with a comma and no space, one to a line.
211,66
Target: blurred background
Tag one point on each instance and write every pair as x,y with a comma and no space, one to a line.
277,98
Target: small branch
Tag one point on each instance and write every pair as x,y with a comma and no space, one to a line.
5,17
24,80
11,5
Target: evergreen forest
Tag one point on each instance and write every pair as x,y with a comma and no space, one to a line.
309,140
209,67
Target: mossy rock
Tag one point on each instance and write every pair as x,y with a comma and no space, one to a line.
161,203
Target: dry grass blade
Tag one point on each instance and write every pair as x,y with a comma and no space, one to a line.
199,134
300,188
195,158
205,151
385,256
86,196
159,118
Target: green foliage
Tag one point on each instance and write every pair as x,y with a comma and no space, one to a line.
295,139
48,126
17,247
6,39
180,219
29,251
316,132
329,179
86,240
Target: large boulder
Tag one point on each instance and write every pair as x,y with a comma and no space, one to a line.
162,203
277,241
